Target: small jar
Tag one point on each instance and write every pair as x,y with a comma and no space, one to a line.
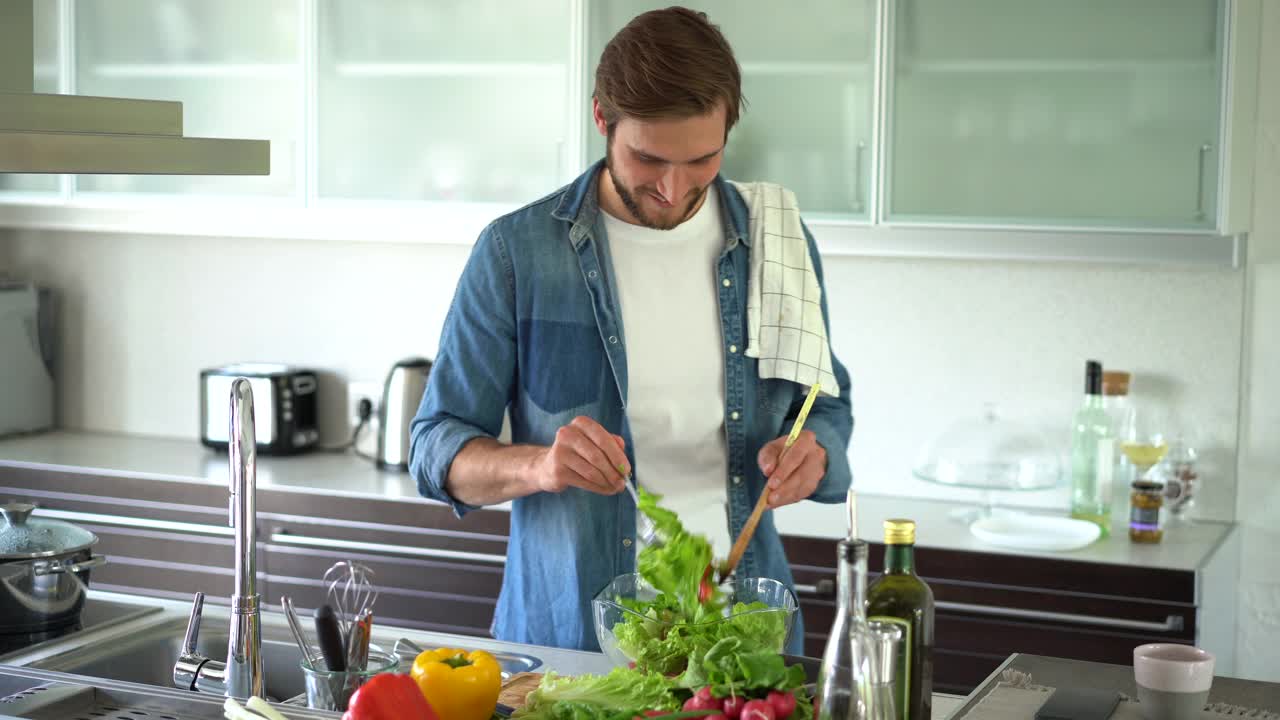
1145,502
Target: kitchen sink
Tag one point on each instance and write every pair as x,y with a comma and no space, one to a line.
147,655
47,695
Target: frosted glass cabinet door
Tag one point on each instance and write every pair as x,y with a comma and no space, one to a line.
807,72
18,186
1045,112
447,100
233,64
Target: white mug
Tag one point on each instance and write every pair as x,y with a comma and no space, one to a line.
1173,680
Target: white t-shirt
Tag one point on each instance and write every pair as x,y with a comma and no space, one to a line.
675,364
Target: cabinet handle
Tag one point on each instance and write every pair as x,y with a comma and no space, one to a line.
824,588
859,204
1172,623
1204,154
284,538
136,522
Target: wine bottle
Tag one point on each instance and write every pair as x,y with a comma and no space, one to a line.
900,597
1092,454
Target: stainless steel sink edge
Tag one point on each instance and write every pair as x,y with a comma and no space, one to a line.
179,699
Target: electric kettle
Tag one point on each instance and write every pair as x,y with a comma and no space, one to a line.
401,395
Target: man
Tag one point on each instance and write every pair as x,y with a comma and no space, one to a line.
610,319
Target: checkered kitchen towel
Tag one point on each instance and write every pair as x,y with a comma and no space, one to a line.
784,315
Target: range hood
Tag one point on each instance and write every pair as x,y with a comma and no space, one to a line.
43,133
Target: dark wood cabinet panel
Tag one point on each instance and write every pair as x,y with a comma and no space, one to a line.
143,576
394,539
1067,608
398,606
1008,570
459,579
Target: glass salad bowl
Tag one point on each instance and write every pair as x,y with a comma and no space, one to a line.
629,633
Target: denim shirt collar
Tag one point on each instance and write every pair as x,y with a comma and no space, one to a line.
580,206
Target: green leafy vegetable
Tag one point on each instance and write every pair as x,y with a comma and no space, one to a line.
656,639
666,632
622,694
675,565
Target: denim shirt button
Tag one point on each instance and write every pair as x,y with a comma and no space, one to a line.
613,339
734,415
727,282
626,542
737,479
591,274
733,349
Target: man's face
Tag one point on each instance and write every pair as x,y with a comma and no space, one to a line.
661,168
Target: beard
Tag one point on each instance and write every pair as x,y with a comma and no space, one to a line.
628,197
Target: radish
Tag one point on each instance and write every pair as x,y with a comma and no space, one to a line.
784,703
698,703
757,710
733,706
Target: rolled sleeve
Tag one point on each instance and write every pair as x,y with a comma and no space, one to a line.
473,376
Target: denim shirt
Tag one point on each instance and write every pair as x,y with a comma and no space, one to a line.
535,329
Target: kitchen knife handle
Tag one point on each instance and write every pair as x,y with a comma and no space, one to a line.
329,636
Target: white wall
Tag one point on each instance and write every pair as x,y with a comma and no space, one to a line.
1258,501
143,314
926,342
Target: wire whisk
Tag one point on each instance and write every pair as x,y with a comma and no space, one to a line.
351,592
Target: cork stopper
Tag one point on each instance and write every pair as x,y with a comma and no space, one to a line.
1115,382
899,531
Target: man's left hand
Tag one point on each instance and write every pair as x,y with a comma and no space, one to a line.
798,474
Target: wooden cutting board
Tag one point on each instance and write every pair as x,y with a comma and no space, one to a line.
517,688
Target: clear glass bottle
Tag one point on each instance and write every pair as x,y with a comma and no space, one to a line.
1092,455
846,679
1119,408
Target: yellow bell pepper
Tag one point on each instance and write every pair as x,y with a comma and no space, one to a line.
460,685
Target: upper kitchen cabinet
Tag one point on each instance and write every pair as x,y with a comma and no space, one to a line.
1085,114
443,101
234,64
15,186
808,72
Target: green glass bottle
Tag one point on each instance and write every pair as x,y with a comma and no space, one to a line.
1092,454
900,597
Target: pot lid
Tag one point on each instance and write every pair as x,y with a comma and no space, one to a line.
23,537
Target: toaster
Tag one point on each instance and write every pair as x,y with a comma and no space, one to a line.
286,416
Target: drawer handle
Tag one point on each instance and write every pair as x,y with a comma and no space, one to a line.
136,522
1172,623
285,538
824,588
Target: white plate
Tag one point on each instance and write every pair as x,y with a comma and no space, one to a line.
1022,531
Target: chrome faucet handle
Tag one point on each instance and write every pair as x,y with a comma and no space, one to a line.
193,625
193,671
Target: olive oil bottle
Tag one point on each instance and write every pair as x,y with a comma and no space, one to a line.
900,597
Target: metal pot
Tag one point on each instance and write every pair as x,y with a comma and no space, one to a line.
44,570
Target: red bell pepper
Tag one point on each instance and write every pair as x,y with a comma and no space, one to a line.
389,696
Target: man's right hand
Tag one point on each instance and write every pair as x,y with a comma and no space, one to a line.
586,456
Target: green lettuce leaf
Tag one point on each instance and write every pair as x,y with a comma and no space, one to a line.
675,563
622,693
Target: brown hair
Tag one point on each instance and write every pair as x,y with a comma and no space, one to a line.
671,63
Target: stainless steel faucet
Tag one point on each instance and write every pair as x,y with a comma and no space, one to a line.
242,673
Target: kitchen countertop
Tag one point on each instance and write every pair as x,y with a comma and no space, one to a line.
565,662
177,460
